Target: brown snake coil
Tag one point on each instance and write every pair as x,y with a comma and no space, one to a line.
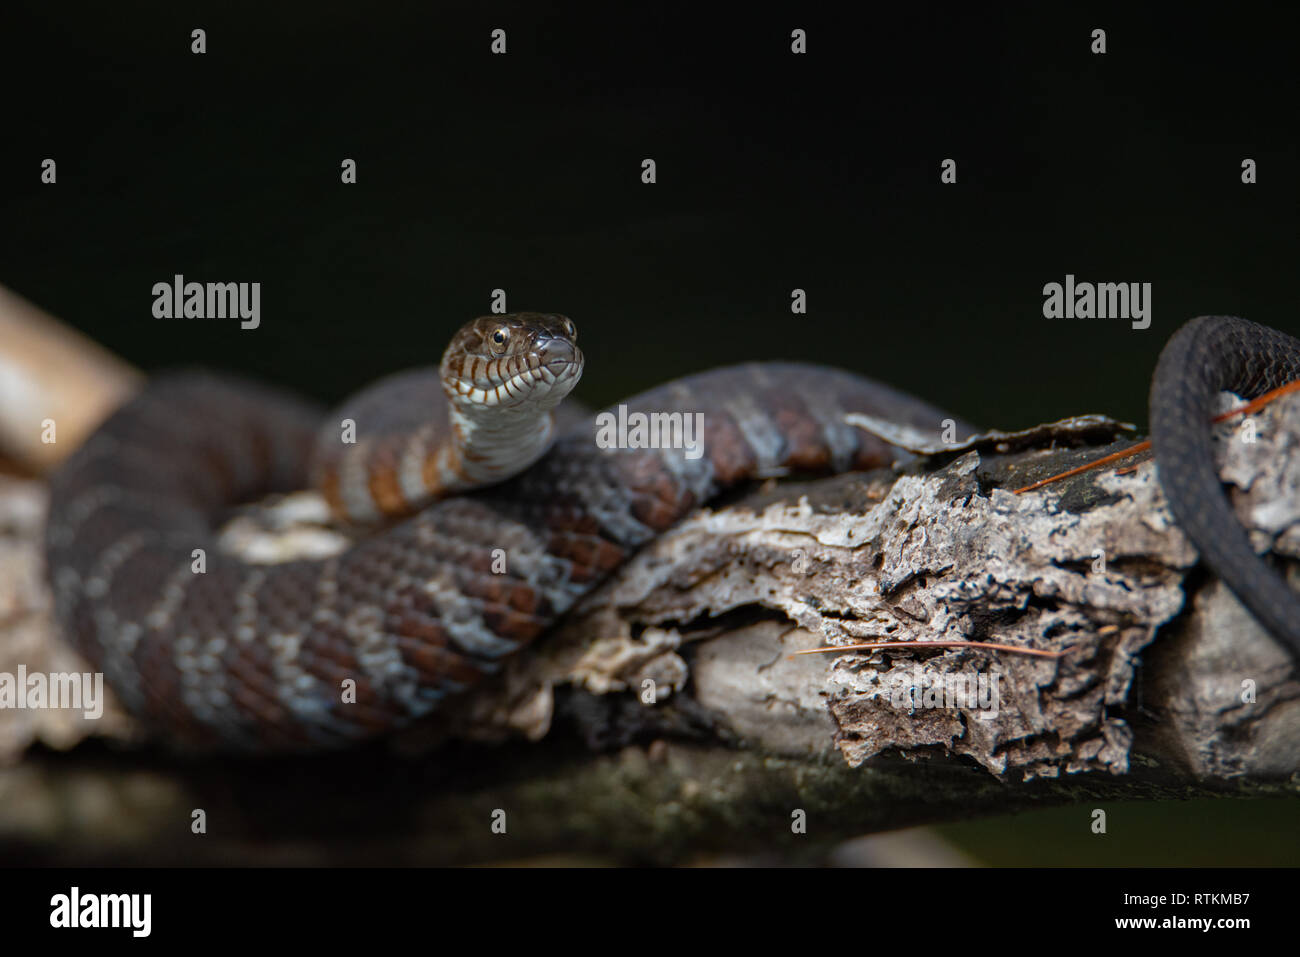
249,656
486,414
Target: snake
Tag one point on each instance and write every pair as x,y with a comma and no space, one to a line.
491,506
488,412
1204,357
465,564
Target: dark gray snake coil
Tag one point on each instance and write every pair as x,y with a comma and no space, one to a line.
1208,355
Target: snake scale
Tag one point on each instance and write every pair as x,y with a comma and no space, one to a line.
252,657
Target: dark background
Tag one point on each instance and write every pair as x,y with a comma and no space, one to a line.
775,171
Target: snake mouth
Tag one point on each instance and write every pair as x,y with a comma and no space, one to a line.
537,380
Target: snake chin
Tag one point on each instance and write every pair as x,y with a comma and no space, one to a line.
538,388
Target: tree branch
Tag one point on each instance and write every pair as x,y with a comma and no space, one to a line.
706,733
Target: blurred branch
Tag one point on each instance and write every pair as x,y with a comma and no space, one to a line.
49,372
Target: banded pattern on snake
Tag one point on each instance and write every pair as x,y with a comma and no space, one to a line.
484,415
253,656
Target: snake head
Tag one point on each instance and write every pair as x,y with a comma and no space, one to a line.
528,361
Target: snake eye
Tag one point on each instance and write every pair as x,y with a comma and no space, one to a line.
570,329
499,339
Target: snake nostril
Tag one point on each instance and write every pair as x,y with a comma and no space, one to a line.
556,353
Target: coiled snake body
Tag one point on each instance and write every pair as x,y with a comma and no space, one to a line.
252,656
